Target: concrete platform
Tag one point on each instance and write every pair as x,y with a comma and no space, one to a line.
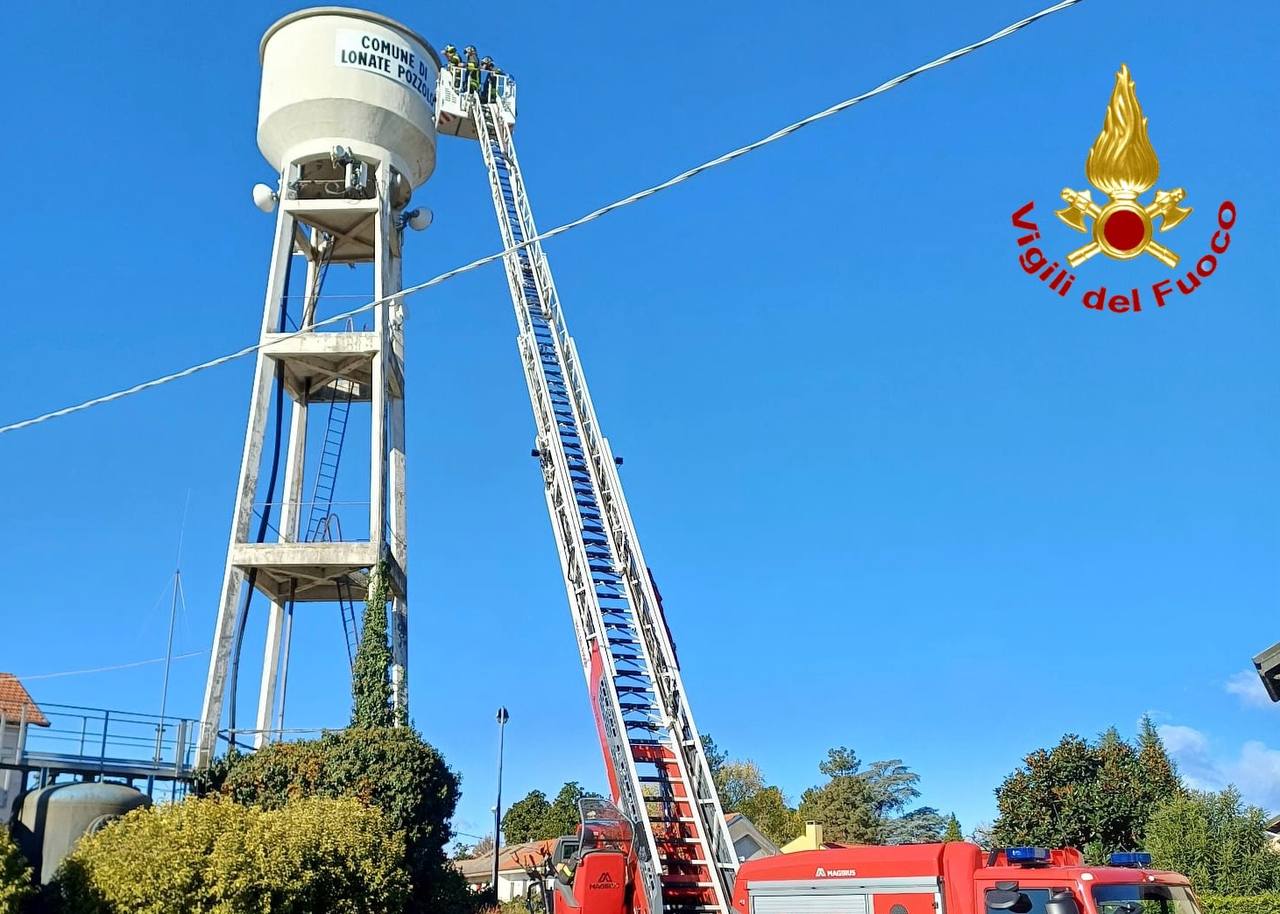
352,223
318,569
320,363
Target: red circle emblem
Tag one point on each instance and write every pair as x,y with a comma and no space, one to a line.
1124,230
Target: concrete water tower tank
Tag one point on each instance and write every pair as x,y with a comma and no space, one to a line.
333,76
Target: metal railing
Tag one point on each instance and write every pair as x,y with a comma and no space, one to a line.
492,85
104,742
333,534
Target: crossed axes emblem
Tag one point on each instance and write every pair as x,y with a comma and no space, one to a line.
1165,205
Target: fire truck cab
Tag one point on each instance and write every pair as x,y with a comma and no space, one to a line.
592,870
956,878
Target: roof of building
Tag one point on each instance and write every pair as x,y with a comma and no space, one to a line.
1273,825
14,698
514,859
519,858
740,826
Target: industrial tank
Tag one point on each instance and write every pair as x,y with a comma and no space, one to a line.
342,77
52,819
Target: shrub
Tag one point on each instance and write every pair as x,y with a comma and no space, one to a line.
1217,842
15,875
522,905
1240,904
391,768
317,854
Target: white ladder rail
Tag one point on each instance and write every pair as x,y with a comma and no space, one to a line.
588,618
713,836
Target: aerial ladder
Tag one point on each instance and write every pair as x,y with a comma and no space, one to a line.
669,833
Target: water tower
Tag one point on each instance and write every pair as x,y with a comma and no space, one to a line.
347,117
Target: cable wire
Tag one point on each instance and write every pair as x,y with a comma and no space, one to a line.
107,669
568,226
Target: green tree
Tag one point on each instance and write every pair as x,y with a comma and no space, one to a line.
737,783
953,832
524,820
846,804
922,825
715,757
981,836
894,787
742,789
871,806
318,854
1160,779
15,876
1216,841
463,851
534,818
770,812
563,816
393,769
371,674
1095,796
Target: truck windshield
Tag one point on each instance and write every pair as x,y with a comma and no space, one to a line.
603,826
1144,899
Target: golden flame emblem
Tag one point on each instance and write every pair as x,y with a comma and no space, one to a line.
1122,164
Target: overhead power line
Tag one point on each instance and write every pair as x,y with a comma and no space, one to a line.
107,669
568,226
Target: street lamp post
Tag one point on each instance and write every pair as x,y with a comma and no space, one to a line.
503,716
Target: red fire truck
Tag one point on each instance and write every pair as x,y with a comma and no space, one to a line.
952,878
956,878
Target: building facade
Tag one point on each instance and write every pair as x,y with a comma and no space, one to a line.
17,713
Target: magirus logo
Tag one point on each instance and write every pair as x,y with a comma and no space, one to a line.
1122,165
606,881
822,873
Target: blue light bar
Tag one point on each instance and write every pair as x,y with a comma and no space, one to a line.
1026,855
1130,859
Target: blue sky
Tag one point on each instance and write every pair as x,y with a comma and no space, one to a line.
897,495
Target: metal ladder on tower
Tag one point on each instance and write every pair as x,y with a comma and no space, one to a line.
322,522
686,860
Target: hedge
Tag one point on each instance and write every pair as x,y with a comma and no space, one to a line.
393,769
15,875
1240,904
317,854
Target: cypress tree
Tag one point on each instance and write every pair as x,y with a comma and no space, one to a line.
1161,781
371,675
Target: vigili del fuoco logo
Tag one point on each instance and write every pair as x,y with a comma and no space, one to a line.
1122,165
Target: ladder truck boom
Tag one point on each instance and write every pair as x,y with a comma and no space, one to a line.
680,857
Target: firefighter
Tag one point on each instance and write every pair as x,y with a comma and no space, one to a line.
454,62
489,91
566,868
473,69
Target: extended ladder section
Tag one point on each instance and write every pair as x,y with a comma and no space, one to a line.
335,434
658,770
322,525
